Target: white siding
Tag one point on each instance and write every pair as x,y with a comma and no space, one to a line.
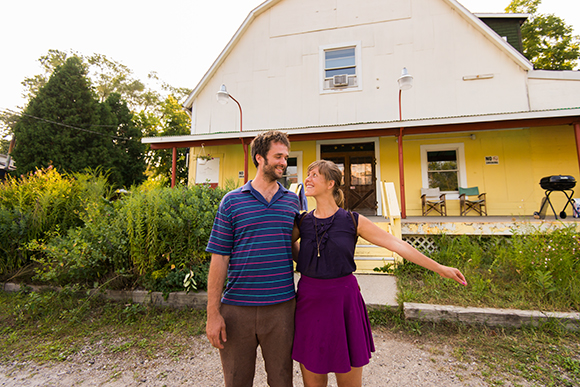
273,69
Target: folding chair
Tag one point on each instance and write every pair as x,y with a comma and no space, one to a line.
465,204
433,200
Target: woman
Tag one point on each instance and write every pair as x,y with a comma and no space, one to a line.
332,332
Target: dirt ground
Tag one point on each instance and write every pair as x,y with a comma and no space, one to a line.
395,363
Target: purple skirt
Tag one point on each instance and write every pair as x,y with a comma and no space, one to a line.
333,331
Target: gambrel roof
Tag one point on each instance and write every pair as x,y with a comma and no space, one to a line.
479,25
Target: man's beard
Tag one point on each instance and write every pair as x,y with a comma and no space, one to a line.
270,171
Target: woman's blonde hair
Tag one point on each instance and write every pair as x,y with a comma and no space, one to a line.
331,172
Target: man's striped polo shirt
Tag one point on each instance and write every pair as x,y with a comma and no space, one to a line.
257,236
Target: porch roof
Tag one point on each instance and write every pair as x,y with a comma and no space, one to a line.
464,123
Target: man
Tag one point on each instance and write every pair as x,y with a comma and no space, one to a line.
251,244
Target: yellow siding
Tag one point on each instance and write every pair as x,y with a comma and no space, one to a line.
231,162
525,156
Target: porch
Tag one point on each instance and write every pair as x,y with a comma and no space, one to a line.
480,225
419,230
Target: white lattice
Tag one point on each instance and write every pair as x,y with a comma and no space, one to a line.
422,243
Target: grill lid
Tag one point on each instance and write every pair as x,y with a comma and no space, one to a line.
558,182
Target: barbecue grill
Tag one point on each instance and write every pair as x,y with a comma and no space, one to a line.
553,183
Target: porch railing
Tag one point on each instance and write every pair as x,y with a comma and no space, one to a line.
369,256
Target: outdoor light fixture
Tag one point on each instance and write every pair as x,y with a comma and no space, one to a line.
405,80
223,97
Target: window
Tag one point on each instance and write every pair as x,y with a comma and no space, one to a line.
340,67
443,166
361,171
442,170
339,62
293,172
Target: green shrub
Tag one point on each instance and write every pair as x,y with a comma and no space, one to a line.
538,269
169,226
549,264
92,253
34,206
151,237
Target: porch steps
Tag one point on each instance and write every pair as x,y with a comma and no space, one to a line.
368,256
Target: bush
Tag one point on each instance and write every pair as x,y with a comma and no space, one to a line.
39,204
151,237
539,270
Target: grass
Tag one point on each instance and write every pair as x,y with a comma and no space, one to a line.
538,271
51,327
543,356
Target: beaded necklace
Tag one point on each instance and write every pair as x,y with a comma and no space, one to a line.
319,241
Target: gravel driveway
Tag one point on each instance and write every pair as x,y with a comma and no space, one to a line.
395,363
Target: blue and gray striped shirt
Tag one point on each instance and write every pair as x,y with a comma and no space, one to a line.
257,236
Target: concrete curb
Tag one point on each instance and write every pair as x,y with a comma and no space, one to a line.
413,311
174,300
488,316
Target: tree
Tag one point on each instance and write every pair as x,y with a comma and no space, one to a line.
107,76
173,121
64,125
129,165
151,113
547,40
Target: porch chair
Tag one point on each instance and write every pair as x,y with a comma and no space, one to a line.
465,204
433,200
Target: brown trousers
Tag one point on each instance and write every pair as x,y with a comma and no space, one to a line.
271,327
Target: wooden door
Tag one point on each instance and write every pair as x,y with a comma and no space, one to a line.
358,165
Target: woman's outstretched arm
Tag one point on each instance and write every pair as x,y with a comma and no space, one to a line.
376,235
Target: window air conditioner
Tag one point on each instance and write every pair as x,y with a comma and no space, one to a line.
340,80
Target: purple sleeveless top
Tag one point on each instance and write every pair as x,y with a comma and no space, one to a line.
334,237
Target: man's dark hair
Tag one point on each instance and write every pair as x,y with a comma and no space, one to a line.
262,143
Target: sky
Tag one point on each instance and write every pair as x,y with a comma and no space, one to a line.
178,39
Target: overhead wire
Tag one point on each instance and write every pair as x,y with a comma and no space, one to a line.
21,114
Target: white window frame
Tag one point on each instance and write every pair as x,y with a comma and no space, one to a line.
461,173
358,66
298,155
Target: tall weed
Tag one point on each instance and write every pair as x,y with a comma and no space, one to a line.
153,236
537,269
34,206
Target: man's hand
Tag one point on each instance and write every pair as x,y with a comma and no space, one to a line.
215,330
215,327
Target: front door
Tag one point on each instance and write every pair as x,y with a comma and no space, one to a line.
357,162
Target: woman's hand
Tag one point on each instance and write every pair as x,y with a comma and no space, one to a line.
452,273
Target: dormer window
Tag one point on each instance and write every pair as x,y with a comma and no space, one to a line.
340,67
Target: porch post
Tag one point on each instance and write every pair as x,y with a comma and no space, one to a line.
173,166
402,175
401,166
245,160
577,135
